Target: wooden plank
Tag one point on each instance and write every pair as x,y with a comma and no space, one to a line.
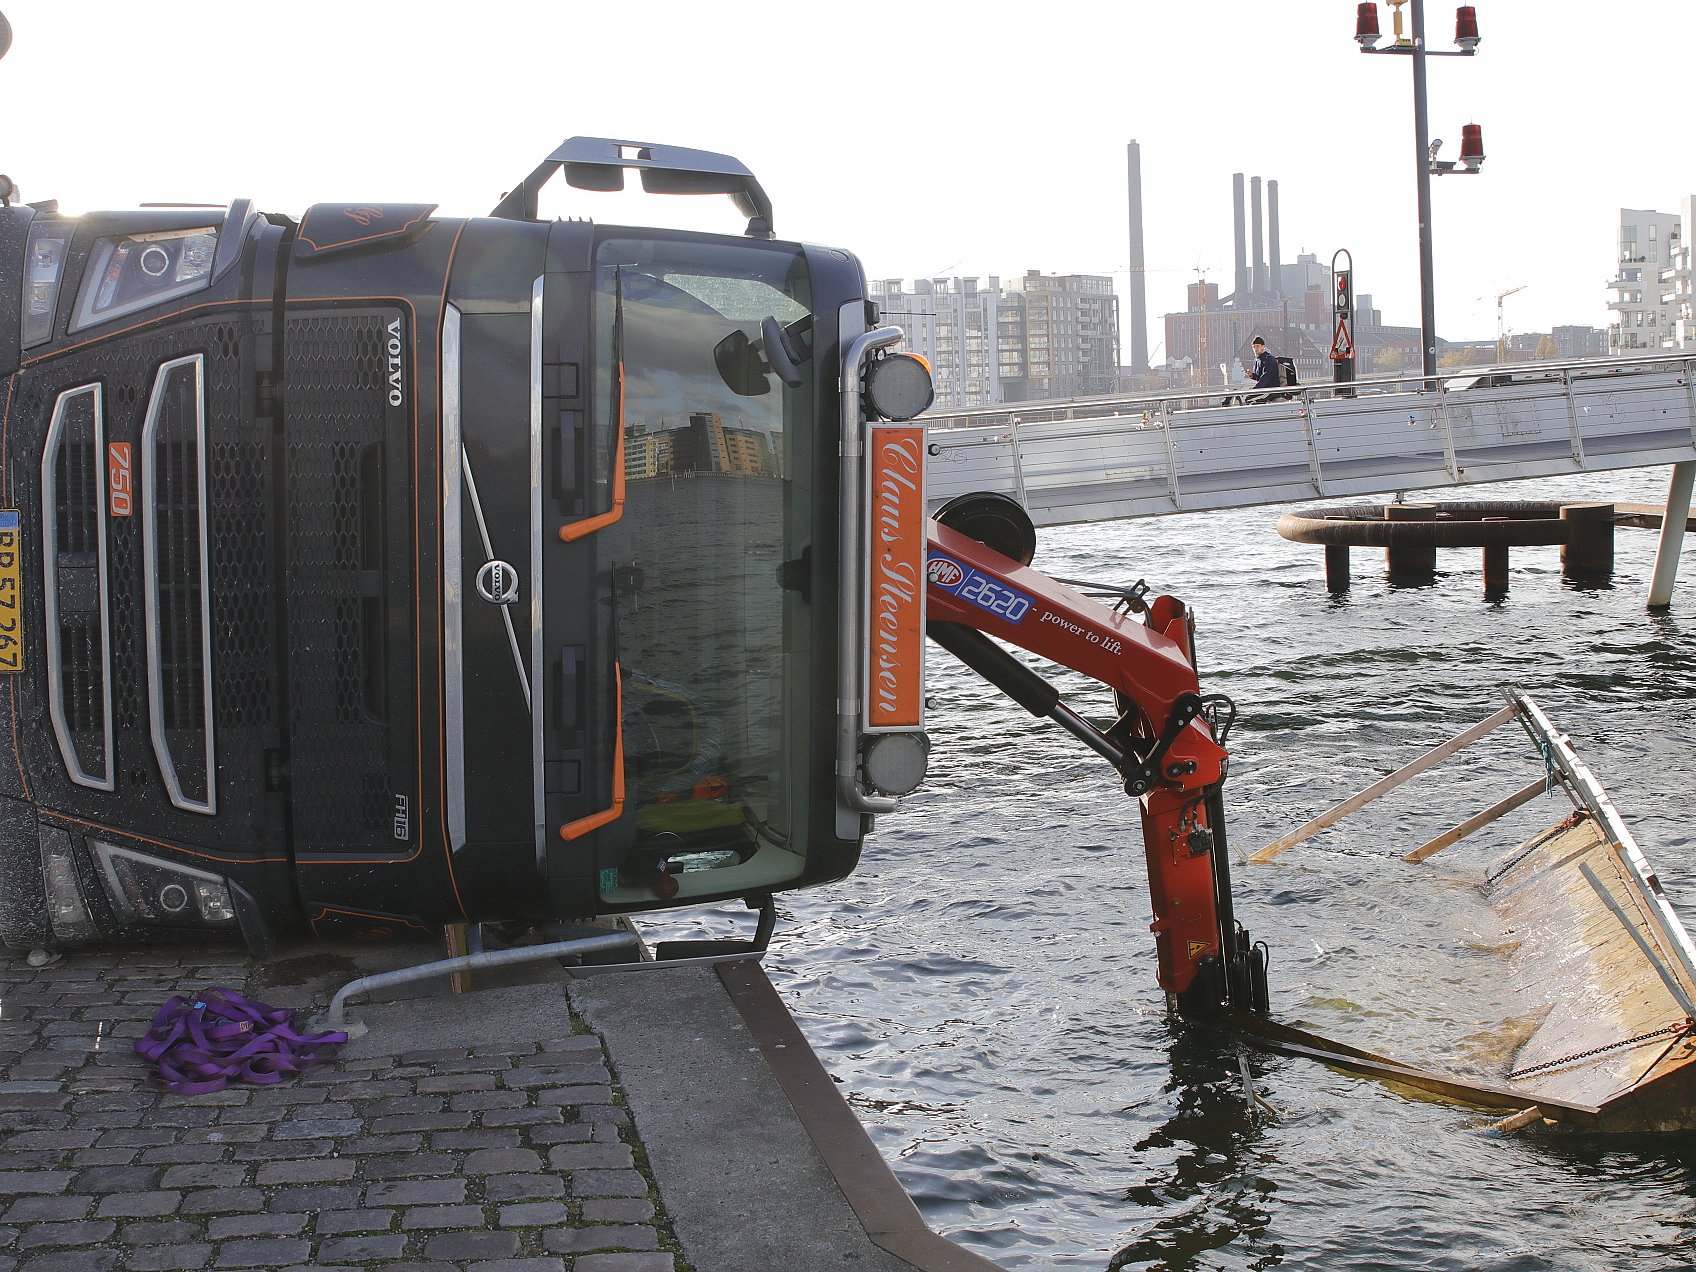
1588,955
1645,516
1650,956
1518,1121
1300,1042
1502,808
1430,759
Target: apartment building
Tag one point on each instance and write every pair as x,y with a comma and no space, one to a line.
706,444
1071,336
1678,284
955,325
1574,342
1041,336
1650,244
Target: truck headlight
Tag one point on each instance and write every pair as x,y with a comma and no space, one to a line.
44,263
144,889
67,910
134,271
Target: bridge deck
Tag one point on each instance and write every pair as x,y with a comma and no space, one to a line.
1101,459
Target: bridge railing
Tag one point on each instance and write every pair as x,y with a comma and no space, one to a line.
1146,455
1172,402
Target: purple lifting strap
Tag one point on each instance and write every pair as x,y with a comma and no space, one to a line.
202,1044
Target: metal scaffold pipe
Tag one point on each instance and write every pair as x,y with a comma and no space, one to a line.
336,1015
1672,535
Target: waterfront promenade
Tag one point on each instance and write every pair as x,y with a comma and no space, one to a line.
492,1130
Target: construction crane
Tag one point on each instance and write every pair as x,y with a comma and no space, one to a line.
1501,331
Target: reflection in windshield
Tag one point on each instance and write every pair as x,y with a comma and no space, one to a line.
679,414
713,651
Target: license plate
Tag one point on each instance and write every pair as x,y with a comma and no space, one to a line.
11,598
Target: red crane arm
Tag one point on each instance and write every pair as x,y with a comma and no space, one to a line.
1162,743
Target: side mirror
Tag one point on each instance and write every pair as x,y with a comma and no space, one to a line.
740,365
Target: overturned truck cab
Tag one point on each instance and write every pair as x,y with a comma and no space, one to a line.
378,571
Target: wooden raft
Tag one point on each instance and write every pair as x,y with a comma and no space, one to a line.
1600,963
1596,957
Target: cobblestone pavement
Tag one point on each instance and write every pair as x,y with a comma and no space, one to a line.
513,1156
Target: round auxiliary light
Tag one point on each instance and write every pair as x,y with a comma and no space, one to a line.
898,386
173,898
896,762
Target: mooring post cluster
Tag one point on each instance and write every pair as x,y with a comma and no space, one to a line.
1411,533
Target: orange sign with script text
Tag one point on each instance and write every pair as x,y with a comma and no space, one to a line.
895,580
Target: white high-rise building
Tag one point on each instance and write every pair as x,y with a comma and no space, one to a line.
951,323
1678,284
1649,245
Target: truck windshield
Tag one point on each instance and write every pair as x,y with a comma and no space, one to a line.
713,651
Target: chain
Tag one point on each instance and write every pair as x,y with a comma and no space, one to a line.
1572,819
1678,1030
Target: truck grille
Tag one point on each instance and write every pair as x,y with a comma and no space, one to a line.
188,699
179,634
76,605
337,454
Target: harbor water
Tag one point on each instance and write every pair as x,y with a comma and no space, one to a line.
984,985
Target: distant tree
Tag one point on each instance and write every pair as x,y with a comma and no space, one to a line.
1390,360
1465,356
1547,348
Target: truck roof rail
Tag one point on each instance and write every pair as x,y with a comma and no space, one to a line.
598,163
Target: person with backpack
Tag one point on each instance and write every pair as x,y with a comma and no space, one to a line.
1265,371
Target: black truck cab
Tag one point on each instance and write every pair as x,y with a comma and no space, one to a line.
378,570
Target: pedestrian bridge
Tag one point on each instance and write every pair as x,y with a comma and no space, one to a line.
1104,458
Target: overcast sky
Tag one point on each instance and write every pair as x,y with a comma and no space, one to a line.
928,138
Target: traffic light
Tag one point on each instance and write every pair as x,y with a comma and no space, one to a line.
1344,300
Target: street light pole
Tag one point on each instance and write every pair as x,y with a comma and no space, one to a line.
1422,166
1426,163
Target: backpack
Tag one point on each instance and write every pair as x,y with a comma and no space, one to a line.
1287,371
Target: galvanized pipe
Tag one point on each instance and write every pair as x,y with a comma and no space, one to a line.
335,1017
1672,535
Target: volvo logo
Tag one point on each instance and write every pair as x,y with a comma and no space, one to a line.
497,583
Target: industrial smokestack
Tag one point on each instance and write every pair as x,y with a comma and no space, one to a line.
1242,241
1273,268
1259,283
1139,282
